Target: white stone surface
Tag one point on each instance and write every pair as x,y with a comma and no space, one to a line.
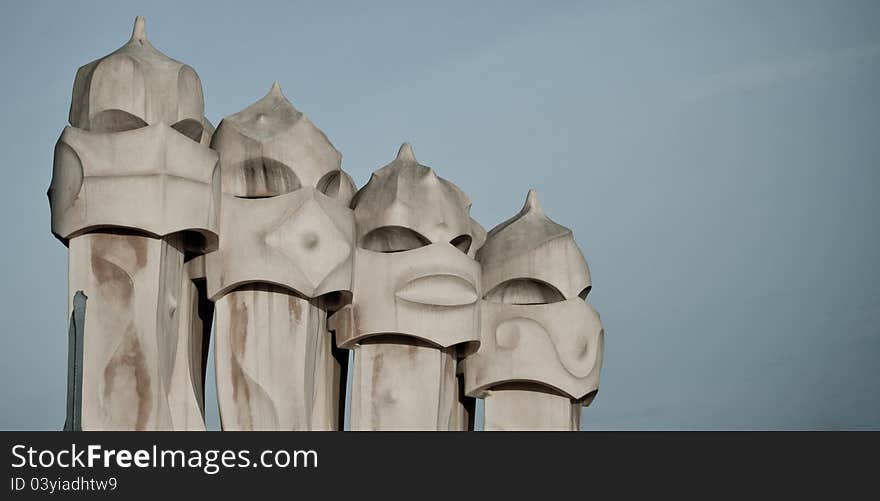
402,384
529,408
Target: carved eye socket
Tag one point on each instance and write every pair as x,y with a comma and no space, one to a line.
190,128
585,292
260,178
336,185
393,239
115,121
524,291
462,242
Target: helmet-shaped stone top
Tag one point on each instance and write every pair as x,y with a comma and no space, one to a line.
405,204
136,86
270,148
531,249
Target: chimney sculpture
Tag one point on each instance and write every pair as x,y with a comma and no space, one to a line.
283,263
171,225
541,344
413,310
134,195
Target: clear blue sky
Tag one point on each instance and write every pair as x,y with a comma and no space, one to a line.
719,163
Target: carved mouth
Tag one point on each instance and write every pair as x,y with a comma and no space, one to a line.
439,290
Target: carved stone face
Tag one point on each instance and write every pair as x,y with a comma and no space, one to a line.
414,270
535,324
285,212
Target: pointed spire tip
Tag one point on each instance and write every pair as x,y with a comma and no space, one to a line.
139,32
406,152
532,202
276,88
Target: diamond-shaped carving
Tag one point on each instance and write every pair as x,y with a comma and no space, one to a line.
311,240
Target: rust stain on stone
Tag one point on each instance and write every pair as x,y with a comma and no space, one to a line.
112,266
109,275
238,324
384,395
121,246
293,304
378,362
116,282
139,246
129,360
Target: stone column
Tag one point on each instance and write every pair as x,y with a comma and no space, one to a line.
133,192
284,262
414,299
541,344
187,394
